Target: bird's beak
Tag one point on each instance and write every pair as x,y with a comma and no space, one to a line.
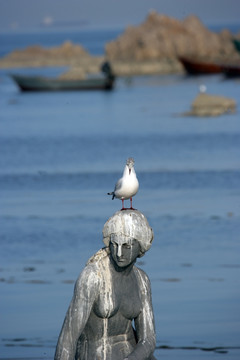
130,171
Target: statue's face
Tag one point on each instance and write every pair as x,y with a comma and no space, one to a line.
124,251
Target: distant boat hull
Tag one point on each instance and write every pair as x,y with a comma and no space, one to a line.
38,83
232,71
236,43
199,67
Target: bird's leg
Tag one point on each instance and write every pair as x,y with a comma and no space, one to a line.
131,204
123,208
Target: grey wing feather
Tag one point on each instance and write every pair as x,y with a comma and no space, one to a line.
118,185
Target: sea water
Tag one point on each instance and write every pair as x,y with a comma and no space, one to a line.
60,153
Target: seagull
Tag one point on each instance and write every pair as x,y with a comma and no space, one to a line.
202,88
128,185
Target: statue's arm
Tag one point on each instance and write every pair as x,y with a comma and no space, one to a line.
144,323
85,293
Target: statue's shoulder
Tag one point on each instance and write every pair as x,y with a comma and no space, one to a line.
97,262
142,276
91,276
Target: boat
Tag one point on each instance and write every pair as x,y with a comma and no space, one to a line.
102,81
196,66
236,43
232,70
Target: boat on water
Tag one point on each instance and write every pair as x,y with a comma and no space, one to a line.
196,66
236,43
102,81
232,70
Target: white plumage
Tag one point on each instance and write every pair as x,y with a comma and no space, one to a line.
128,185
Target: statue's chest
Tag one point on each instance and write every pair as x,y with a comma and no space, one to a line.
118,297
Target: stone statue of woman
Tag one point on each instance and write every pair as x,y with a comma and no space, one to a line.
110,316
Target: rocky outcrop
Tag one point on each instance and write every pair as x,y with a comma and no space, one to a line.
211,105
73,73
153,47
162,37
67,50
67,54
130,68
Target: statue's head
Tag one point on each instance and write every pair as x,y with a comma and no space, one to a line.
126,226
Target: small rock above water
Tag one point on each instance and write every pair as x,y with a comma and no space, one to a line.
211,105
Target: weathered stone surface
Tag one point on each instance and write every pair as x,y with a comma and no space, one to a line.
129,224
130,68
110,315
211,105
66,50
67,54
164,37
73,73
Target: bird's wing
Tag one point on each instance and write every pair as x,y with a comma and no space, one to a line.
118,185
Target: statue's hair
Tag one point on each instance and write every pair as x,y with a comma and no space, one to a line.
98,256
131,224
